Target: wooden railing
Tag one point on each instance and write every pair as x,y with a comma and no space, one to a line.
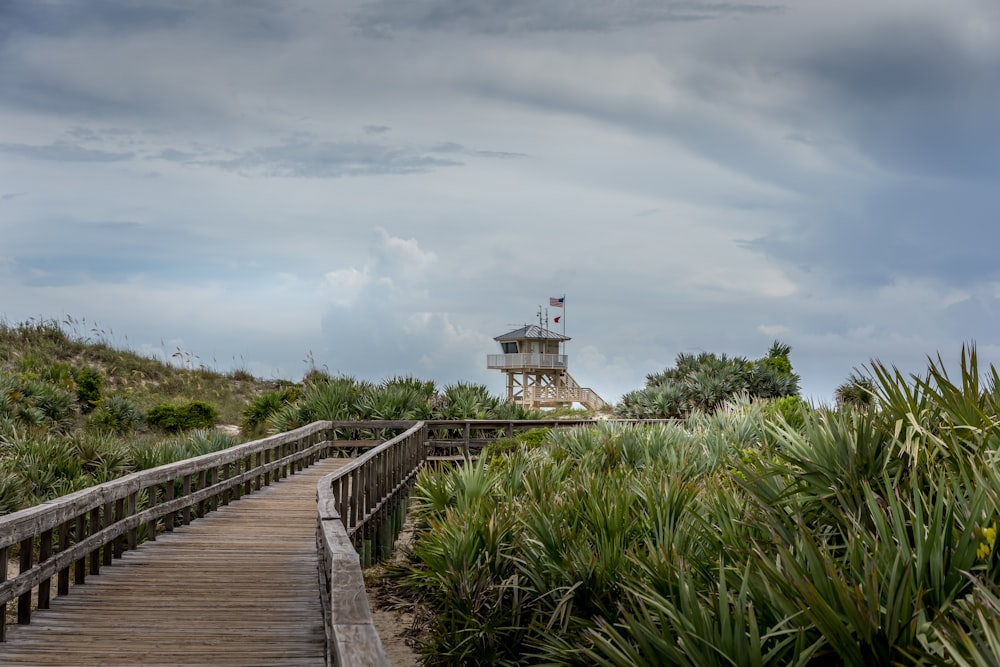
526,360
353,505
453,440
79,533
358,505
83,531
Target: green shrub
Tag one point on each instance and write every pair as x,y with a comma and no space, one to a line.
263,407
532,439
336,399
790,408
88,388
857,392
11,492
31,402
241,375
179,418
704,383
116,414
60,374
861,537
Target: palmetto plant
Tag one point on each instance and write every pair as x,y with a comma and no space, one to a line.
35,403
705,381
857,391
858,537
116,414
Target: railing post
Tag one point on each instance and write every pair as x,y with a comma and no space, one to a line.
24,600
151,502
62,584
3,605
465,441
202,483
118,544
226,474
213,475
186,491
93,526
168,495
44,553
247,467
133,536
108,520
79,532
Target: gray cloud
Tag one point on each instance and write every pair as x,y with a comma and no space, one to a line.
943,230
69,251
331,160
917,97
56,18
379,17
62,151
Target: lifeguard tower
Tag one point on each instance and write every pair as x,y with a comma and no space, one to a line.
536,370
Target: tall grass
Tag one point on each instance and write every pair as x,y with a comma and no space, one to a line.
861,537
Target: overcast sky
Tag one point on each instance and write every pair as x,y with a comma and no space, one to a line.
380,187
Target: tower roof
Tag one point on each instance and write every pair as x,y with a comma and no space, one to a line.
531,332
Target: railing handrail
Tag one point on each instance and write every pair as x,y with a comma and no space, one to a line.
15,526
94,526
526,360
347,500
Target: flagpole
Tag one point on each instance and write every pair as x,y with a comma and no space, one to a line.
562,317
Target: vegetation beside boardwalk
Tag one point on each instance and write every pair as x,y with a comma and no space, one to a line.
864,535
76,411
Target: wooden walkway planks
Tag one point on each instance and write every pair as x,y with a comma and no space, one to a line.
237,587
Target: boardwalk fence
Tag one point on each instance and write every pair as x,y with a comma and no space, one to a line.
83,531
360,509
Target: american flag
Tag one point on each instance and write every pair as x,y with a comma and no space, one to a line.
556,302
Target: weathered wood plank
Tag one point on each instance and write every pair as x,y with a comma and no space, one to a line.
237,587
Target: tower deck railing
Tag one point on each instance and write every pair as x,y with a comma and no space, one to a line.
526,361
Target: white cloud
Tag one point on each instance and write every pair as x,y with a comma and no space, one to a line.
773,329
343,287
411,259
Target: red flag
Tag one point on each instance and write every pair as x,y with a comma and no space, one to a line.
556,320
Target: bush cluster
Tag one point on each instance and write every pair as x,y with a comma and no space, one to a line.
184,417
703,382
88,387
117,414
864,537
395,399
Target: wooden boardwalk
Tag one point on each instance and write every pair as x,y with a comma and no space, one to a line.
237,587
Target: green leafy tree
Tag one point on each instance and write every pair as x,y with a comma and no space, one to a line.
706,381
